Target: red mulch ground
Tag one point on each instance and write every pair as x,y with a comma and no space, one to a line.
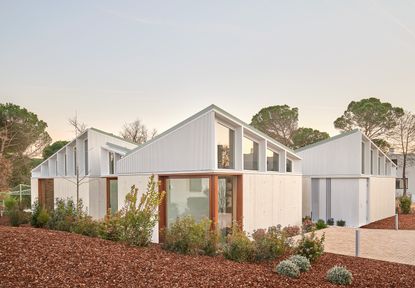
4,220
406,222
32,257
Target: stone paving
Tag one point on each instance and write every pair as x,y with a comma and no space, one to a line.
386,245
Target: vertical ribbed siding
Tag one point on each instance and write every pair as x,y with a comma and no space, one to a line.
185,149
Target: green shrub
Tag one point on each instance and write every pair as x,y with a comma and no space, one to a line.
302,262
139,214
339,275
35,213
330,221
270,244
64,215
308,225
341,223
42,218
310,246
85,225
238,246
405,204
287,268
291,231
15,212
110,228
187,236
321,224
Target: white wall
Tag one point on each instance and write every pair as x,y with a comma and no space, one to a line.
270,199
34,190
306,188
345,201
381,198
363,202
64,189
124,187
188,148
97,197
339,156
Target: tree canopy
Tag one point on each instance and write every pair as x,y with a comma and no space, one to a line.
306,136
137,132
53,148
279,122
374,118
22,136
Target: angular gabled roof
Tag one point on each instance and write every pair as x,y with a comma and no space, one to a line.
223,113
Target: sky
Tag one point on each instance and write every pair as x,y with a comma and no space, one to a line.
112,62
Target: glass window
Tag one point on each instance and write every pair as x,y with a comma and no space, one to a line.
225,138
111,157
226,203
86,157
75,161
289,165
273,161
378,165
182,201
400,183
371,162
251,154
363,158
113,195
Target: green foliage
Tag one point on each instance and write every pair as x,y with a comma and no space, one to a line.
187,236
238,246
310,246
405,204
339,275
291,231
321,224
85,225
111,227
330,221
288,268
279,122
53,148
306,136
64,215
139,214
270,244
373,117
301,262
308,225
341,223
15,212
35,213
42,218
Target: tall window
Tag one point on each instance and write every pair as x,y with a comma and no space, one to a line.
273,161
86,157
111,163
75,160
225,138
289,165
378,165
371,162
65,165
363,158
251,154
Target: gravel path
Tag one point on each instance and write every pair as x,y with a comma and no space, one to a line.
40,258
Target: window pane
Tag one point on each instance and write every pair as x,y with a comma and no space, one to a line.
182,201
250,149
111,162
225,138
289,165
273,161
113,197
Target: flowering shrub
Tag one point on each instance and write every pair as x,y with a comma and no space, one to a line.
308,226
291,231
310,246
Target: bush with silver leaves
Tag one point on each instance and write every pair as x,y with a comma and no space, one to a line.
287,268
302,262
339,275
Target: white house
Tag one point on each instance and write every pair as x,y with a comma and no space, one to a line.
347,177
95,153
410,174
214,165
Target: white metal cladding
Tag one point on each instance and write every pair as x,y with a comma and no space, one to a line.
381,198
187,148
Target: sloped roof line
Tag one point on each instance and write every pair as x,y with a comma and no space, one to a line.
338,136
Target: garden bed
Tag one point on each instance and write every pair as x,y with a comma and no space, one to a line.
38,258
406,222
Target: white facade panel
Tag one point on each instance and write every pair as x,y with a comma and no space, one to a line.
306,198
345,200
363,202
188,148
269,200
34,194
65,188
381,198
97,197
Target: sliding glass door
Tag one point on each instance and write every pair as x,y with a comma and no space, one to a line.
226,203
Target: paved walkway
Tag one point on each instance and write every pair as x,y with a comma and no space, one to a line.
386,245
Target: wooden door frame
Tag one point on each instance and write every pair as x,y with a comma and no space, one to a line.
213,198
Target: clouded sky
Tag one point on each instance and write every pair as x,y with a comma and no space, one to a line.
162,61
